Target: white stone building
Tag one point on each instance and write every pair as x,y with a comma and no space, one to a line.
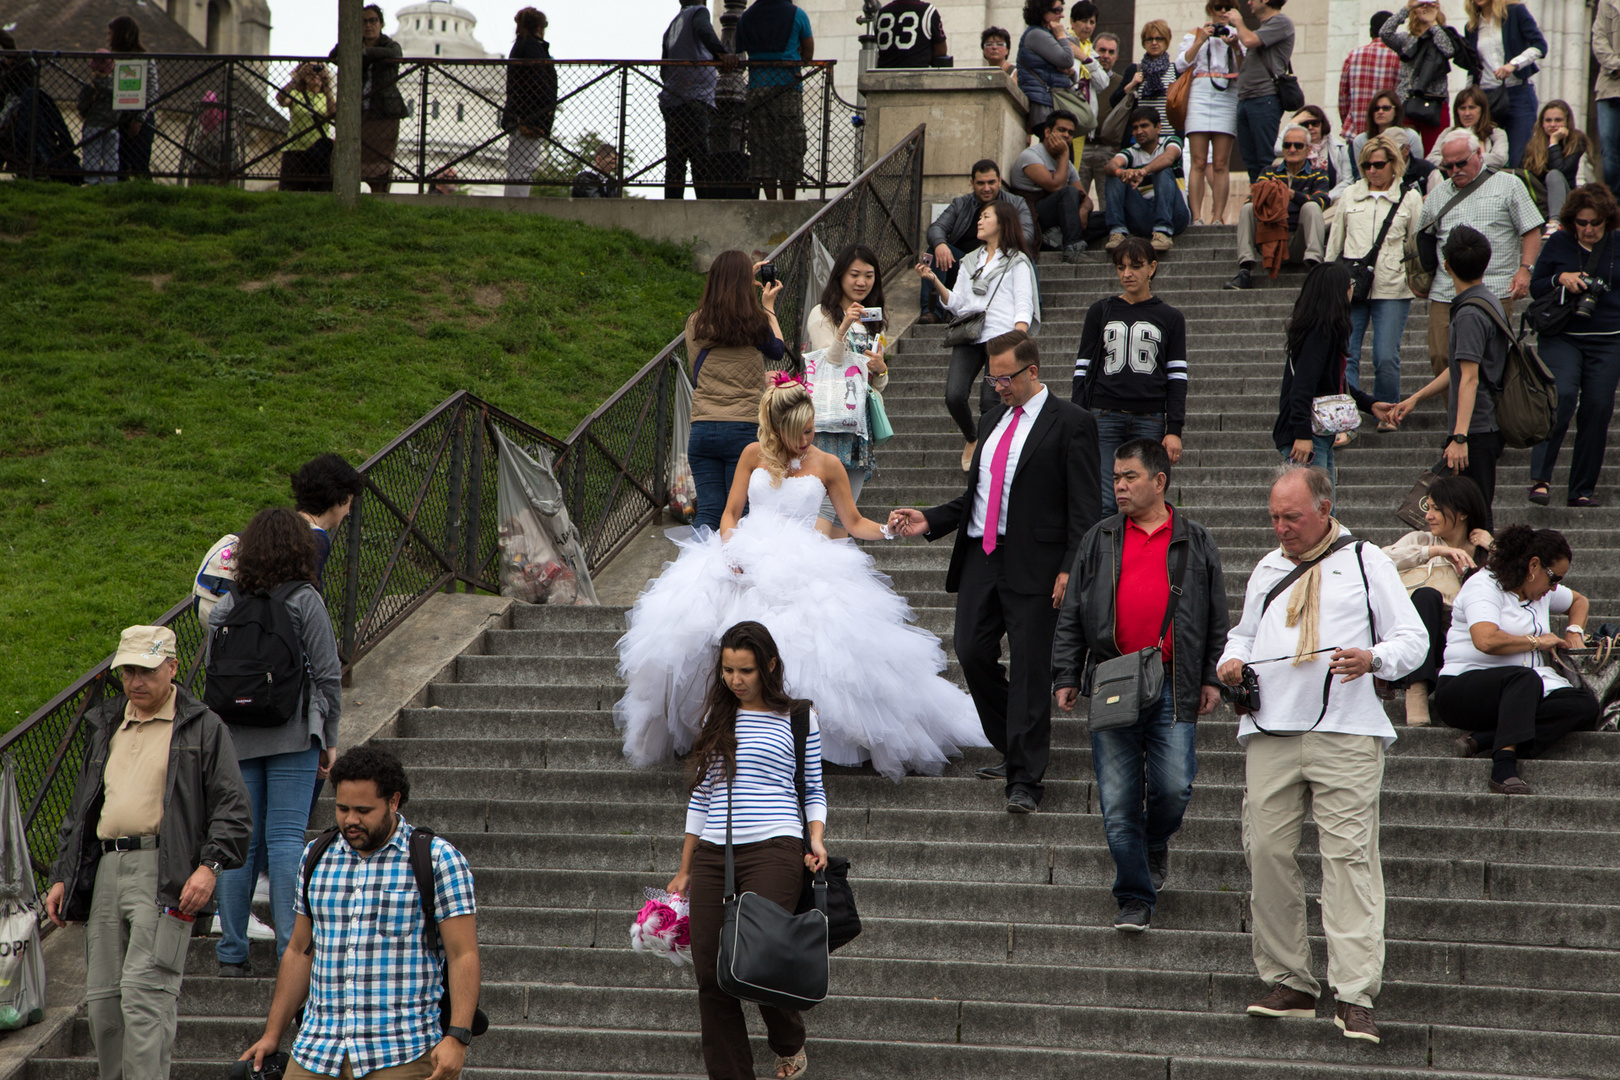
459,112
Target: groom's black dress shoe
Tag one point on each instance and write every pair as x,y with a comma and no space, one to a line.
1021,802
997,771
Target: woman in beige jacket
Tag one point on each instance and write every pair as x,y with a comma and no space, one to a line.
1433,564
1362,211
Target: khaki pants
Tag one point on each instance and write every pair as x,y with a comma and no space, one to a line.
1338,778
1306,243
419,1069
1440,331
135,958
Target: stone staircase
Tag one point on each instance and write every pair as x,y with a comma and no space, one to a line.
988,951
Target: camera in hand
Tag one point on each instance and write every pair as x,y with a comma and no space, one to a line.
1222,31
1246,694
1586,306
275,1065
767,274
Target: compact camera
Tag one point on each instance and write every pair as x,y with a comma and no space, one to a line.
1245,696
1586,306
767,274
275,1066
1222,31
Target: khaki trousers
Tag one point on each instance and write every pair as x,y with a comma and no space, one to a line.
135,957
1307,242
1338,778
420,1069
1440,331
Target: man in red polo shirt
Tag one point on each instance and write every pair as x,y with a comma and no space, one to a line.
1137,553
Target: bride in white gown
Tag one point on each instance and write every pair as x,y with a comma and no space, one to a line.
846,638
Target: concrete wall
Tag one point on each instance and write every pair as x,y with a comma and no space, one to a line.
710,225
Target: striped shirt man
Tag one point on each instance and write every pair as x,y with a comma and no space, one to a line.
763,798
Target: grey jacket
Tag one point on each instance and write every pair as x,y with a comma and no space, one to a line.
1606,50
324,705
1085,627
206,816
955,223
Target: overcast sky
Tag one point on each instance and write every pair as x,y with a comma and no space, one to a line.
576,30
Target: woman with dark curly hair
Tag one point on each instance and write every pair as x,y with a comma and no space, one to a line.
1585,354
1494,684
276,556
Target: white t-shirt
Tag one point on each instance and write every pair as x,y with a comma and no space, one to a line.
1482,599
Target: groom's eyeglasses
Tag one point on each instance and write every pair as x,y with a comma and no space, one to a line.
1001,382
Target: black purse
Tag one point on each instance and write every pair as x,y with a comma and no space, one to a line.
1123,686
1550,314
843,921
1363,269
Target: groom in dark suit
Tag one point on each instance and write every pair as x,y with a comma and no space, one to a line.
1032,494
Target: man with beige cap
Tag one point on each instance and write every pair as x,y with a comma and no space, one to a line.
159,811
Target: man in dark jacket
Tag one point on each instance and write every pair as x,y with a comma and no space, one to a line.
687,99
1153,555
158,813
954,233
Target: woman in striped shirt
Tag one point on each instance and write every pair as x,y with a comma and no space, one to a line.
746,746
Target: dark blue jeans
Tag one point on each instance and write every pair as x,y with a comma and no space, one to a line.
1587,369
713,449
1608,118
1129,212
1114,429
1519,121
1144,780
1388,319
1257,121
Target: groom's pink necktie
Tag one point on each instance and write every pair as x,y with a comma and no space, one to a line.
998,479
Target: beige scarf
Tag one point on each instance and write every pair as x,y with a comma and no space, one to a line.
1305,598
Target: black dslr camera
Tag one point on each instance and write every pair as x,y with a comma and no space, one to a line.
1245,696
1586,306
1223,31
275,1066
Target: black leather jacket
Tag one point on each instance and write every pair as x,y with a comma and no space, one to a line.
1085,627
206,815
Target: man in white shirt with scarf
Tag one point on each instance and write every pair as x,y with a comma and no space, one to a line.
1320,613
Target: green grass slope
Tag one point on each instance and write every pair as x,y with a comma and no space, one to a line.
168,356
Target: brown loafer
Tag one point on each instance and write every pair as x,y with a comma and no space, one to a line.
1356,1021
1284,1000
1513,785
1467,746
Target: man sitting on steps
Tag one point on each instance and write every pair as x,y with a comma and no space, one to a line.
1143,197
1045,175
953,234
1308,198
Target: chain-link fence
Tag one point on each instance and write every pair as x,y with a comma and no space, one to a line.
588,127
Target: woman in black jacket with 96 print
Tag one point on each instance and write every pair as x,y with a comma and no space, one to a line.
1318,331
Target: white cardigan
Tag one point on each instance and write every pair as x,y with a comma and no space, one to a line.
1015,302
1355,227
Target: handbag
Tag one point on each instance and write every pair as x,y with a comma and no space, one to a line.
1437,574
967,329
1551,313
1415,506
1122,687
843,921
837,394
1112,132
1364,268
1332,414
1289,94
877,418
1429,65
1177,98
1064,97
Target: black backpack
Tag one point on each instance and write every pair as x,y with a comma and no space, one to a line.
258,675
421,849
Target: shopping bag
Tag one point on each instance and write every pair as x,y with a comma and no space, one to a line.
22,964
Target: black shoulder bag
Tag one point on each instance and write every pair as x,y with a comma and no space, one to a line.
1122,687
767,955
843,921
1363,269
1551,313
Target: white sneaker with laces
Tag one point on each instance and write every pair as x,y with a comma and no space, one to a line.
258,931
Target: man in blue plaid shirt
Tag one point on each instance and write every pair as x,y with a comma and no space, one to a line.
373,1000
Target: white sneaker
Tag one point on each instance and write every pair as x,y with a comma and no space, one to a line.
261,888
258,931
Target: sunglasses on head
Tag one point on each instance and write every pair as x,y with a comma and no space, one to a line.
1293,146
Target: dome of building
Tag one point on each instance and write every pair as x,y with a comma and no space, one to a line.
438,28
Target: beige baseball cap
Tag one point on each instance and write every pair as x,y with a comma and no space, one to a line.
145,646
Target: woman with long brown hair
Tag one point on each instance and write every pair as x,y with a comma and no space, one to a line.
729,339
1385,117
1471,111
1559,154
742,778
135,130
276,556
1508,41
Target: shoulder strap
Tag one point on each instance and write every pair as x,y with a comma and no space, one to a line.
317,848
1174,599
697,365
1303,568
1466,191
1366,586
421,846
1383,232
800,717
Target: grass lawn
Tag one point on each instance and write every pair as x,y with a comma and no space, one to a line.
168,356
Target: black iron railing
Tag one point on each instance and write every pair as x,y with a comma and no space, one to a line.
228,119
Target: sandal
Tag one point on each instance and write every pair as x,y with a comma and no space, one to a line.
797,1063
1538,493
1343,439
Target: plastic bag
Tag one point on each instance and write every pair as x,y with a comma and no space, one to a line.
542,558
22,964
682,486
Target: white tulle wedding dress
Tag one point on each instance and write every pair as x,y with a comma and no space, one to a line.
846,639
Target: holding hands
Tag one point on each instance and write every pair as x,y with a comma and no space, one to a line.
907,523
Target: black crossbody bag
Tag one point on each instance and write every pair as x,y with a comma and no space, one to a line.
1364,268
1122,687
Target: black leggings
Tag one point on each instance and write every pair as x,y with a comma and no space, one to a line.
966,363
1504,706
1431,608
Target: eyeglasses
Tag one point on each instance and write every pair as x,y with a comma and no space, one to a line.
1453,166
1001,382
371,19
1588,223
1151,40
1293,146
1376,165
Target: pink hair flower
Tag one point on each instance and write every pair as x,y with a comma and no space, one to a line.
783,378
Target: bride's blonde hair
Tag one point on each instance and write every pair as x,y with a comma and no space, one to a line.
785,406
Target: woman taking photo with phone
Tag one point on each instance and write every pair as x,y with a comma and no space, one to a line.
996,281
743,766
729,339
1418,34
853,292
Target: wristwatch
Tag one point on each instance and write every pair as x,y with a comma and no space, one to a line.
1575,628
1377,662
1460,440
460,1034
216,867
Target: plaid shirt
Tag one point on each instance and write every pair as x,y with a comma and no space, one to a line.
1502,209
1367,70
374,991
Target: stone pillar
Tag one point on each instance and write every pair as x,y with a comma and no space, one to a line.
971,113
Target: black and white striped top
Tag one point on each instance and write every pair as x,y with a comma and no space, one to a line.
766,799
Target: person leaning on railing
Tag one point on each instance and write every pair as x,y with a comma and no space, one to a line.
728,339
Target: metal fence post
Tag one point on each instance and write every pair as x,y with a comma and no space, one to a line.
421,132
452,509
826,127
624,109
227,162
33,122
475,500
351,584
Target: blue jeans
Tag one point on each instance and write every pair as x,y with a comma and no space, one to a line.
278,788
1144,780
1587,369
1519,121
1321,455
1128,211
1114,429
1257,120
1608,118
713,449
1388,318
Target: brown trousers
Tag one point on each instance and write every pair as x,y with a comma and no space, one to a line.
773,869
1440,331
419,1069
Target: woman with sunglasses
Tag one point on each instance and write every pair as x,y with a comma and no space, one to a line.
1214,53
1471,111
1327,151
1150,80
1416,32
1495,683
1045,60
1362,212
1384,116
999,280
1585,355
